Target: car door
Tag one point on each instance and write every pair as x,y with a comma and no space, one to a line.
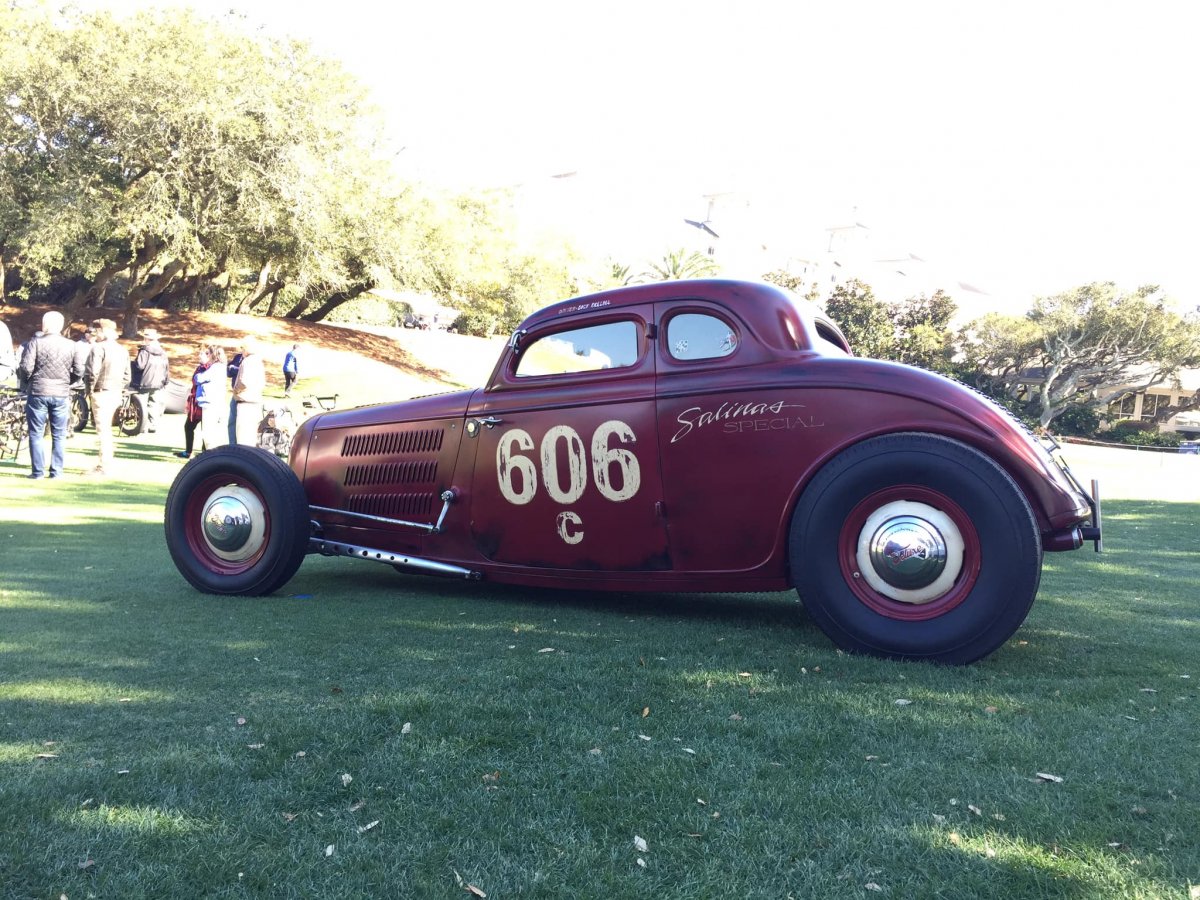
566,472
731,438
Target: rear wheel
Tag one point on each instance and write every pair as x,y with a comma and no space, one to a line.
130,417
915,546
237,522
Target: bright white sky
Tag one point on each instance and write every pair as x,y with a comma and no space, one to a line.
1024,147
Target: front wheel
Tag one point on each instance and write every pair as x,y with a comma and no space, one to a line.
915,546
237,522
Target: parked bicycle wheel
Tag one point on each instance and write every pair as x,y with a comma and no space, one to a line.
130,417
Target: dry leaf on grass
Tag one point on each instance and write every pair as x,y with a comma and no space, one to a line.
355,807
241,720
645,737
639,844
595,751
368,826
903,702
736,717
86,864
546,650
991,710
406,728
256,746
645,711
329,850
46,756
872,886
1046,776
466,886
641,862
491,777
975,809
289,817
346,779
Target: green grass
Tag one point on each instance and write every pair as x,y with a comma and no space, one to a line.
200,743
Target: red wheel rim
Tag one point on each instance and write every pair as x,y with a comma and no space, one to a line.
887,606
193,525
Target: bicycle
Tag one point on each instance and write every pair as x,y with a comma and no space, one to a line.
128,420
14,429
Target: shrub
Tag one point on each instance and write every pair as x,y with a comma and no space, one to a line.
1078,421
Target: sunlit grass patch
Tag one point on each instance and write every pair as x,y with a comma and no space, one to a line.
196,745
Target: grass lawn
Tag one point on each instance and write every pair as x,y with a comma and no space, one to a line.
367,734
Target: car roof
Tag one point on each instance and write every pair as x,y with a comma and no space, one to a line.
759,304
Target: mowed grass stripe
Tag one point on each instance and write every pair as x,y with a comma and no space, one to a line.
198,745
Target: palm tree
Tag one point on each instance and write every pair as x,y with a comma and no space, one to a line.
680,264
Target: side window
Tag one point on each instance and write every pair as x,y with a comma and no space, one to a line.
699,336
613,345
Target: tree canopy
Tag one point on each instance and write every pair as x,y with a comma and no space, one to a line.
1085,347
191,162
915,331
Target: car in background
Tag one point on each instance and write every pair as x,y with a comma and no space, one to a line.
683,436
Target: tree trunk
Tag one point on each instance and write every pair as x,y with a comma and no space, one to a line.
139,293
335,301
301,305
93,295
258,291
276,292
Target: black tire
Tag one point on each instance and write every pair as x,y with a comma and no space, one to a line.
130,417
237,522
870,528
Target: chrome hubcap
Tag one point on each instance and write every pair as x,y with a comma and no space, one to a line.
909,552
234,523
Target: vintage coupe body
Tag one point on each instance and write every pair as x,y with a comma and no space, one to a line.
681,436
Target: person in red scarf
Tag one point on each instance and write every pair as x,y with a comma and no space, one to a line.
205,405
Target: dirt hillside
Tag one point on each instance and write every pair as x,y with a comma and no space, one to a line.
361,365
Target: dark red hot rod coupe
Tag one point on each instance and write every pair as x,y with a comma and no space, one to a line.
680,436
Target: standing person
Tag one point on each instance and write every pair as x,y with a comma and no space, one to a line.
248,389
48,368
8,359
291,370
232,369
206,402
107,374
153,370
79,392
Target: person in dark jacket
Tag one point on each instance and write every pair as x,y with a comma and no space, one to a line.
48,366
153,371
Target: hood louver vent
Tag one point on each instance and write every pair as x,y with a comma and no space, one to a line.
393,506
393,443
392,473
